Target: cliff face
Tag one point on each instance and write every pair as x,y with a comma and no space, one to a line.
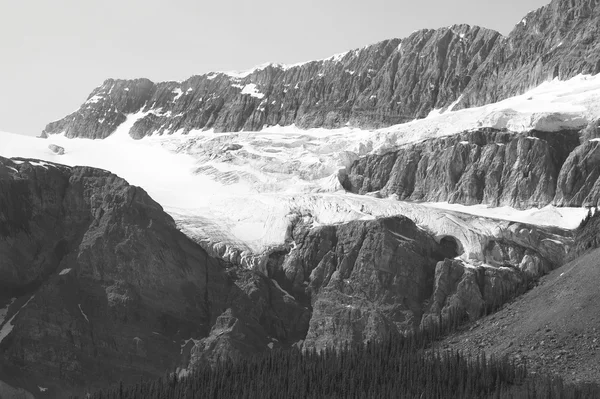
369,279
488,166
386,83
559,40
99,286
390,82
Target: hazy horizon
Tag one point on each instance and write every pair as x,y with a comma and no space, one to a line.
55,54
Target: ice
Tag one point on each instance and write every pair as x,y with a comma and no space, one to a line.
242,190
567,218
552,106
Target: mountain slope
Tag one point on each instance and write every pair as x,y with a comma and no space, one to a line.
554,327
559,40
387,83
99,286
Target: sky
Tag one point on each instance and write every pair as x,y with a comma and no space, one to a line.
54,53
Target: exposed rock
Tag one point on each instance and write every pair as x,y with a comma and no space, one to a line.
107,286
462,289
265,316
558,40
553,328
56,149
578,182
386,83
487,166
364,279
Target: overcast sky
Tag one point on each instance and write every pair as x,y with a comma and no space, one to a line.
54,53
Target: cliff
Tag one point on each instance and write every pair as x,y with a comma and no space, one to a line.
386,83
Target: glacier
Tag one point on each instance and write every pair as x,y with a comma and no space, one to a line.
239,192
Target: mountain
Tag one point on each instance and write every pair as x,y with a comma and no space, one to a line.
387,83
97,284
97,281
247,238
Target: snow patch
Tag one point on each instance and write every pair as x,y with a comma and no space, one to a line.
94,99
84,315
8,326
4,311
64,271
252,91
42,389
178,93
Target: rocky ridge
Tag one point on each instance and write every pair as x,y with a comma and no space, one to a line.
487,166
387,83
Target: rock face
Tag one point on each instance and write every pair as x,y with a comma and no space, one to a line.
95,280
488,166
470,291
559,40
552,328
364,279
390,82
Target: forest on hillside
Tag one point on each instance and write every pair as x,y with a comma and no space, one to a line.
405,367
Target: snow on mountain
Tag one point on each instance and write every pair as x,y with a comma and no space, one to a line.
242,189
552,106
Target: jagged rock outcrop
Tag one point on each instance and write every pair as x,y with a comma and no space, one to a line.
386,83
95,280
486,166
460,289
365,279
559,40
56,149
390,82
